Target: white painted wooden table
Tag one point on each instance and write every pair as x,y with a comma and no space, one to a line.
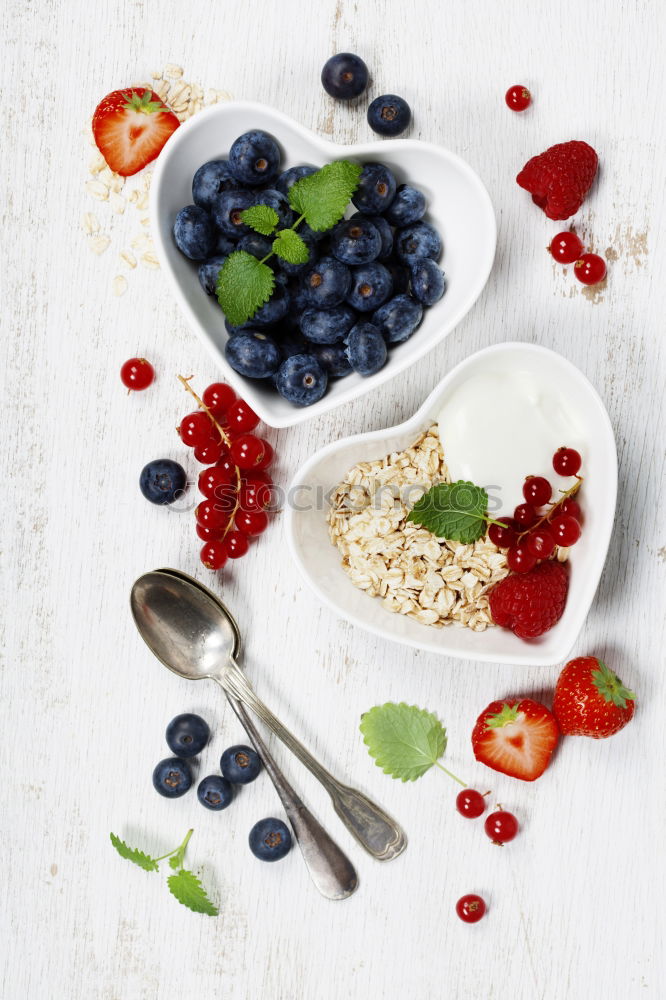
576,902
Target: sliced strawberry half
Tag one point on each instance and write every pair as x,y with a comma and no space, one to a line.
517,738
130,128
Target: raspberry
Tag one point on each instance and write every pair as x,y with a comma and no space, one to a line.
530,603
560,178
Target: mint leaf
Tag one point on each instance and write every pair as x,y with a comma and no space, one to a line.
323,196
134,855
290,247
456,511
243,285
404,740
262,218
188,890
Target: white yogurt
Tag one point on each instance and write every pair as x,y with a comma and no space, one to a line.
502,425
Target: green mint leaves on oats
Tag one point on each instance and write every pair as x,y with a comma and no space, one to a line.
244,283
455,511
184,885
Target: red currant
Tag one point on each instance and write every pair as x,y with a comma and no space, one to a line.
541,543
590,269
518,97
226,463
247,451
525,515
470,803
208,534
252,522
537,490
501,826
213,479
236,544
210,452
269,455
218,397
137,373
214,554
470,908
566,248
504,535
196,428
567,461
520,559
255,495
570,506
241,417
566,530
214,514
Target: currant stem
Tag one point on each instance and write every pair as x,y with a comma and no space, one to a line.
442,768
180,850
571,492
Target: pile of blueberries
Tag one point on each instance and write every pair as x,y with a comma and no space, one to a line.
186,736
362,290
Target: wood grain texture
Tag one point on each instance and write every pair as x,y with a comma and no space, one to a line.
576,902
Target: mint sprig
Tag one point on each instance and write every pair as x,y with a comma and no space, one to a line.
455,511
405,741
244,283
184,885
262,218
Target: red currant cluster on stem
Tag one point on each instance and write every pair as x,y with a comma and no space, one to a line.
235,483
533,534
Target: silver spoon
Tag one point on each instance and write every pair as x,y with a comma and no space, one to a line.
194,635
330,869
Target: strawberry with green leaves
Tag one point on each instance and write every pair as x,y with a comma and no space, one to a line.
516,737
130,128
590,700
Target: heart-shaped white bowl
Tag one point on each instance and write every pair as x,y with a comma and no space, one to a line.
458,206
319,561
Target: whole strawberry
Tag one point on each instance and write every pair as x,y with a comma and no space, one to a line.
530,603
560,178
590,700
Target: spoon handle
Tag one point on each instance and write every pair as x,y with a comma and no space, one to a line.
330,869
373,828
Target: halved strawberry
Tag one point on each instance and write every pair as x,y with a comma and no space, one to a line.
130,128
517,738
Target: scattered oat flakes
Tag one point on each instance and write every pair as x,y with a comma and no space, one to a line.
173,72
149,259
128,258
117,203
97,190
90,223
98,243
119,285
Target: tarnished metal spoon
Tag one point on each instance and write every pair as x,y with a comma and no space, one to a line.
193,634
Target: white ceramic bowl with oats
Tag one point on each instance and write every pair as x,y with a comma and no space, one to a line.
528,397
458,206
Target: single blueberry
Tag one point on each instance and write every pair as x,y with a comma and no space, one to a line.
278,202
172,777
227,210
224,245
299,297
389,114
376,189
288,178
428,282
293,269
344,76
254,158
356,241
210,180
316,235
215,792
401,276
416,241
208,272
384,230
270,839
398,318
333,359
240,764
292,342
193,232
253,354
408,206
275,309
366,348
301,380
371,285
162,481
327,326
256,244
187,735
327,283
